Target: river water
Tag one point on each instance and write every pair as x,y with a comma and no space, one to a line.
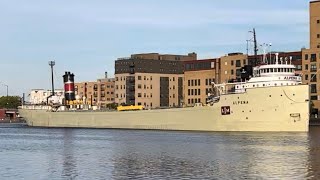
36,153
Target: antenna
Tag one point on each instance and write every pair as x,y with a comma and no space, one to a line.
51,64
277,56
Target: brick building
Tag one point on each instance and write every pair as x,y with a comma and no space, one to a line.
100,92
152,80
311,56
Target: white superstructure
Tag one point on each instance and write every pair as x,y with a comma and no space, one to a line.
39,96
266,75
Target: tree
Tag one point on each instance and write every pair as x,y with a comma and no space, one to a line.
112,106
10,102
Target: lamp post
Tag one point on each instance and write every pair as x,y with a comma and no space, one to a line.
6,87
51,64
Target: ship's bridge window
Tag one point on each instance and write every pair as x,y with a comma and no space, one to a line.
275,70
267,70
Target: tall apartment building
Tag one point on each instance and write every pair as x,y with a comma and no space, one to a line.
311,57
198,75
100,92
152,80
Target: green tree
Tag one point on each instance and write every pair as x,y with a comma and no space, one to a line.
112,106
10,102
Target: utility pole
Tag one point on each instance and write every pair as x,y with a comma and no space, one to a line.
51,64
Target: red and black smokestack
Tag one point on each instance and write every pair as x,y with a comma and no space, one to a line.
68,80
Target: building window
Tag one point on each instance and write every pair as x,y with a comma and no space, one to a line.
144,95
144,77
191,82
314,98
191,92
306,67
195,82
195,92
198,91
173,79
244,62
145,86
174,87
306,77
139,94
318,35
139,77
232,63
238,63
198,82
313,88
232,72
313,57
151,80
139,103
188,82
318,21
139,86
313,78
174,96
188,101
306,56
313,68
188,92
150,86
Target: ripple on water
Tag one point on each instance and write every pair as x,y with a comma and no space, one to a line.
35,153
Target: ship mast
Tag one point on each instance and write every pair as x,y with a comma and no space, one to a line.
255,48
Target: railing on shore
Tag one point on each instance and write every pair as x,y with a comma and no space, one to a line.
35,107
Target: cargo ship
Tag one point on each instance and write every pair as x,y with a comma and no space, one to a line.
273,99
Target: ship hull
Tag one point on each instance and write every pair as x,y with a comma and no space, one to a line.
284,108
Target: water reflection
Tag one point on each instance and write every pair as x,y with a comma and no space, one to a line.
244,155
69,163
314,153
114,154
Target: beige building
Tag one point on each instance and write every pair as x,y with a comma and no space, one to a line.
311,57
198,76
100,92
230,66
152,80
147,89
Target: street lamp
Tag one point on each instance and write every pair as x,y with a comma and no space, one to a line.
51,64
6,87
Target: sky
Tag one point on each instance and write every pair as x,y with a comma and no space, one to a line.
85,37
